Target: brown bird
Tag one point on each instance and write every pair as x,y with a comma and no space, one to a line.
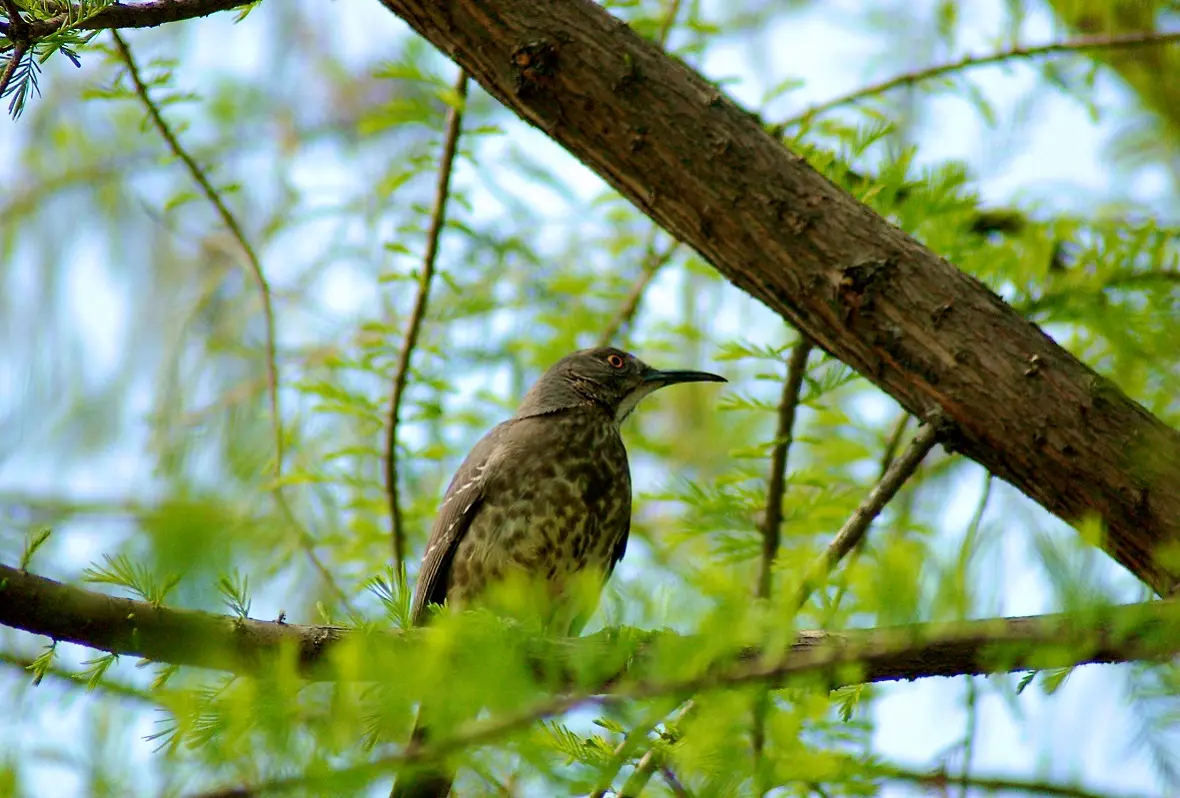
543,503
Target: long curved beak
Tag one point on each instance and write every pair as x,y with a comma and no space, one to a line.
662,378
654,379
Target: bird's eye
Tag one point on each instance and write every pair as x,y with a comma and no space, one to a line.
614,361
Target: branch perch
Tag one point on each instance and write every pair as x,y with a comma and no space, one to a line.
246,647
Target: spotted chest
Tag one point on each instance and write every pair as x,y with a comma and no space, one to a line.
556,510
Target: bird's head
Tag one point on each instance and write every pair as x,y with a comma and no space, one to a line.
605,376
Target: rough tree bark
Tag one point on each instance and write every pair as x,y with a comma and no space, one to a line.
931,336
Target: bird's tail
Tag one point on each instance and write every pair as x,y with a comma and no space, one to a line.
426,781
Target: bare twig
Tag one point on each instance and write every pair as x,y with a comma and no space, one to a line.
255,268
674,785
667,22
127,15
438,219
940,780
653,261
891,446
1139,39
856,526
772,522
887,458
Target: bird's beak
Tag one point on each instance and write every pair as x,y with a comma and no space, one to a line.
661,378
653,380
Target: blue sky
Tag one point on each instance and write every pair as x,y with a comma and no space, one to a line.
1046,154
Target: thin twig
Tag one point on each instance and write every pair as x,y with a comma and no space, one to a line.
941,780
437,221
674,784
894,442
856,526
622,753
668,21
653,261
1139,39
231,223
887,458
654,760
639,778
255,268
772,522
775,484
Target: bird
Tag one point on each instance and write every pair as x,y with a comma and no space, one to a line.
543,501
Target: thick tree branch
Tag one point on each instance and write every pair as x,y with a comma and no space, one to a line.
244,646
929,335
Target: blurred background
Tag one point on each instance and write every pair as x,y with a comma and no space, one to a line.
134,410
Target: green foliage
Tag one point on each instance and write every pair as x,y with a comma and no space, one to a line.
122,572
235,590
326,149
32,543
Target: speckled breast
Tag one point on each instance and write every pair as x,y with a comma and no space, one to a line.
553,516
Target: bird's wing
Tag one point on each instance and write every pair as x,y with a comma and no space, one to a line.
620,547
459,507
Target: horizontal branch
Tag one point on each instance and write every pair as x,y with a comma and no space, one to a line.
119,15
248,647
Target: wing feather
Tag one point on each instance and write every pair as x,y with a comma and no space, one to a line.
460,505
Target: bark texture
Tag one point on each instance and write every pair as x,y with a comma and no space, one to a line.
609,658
931,336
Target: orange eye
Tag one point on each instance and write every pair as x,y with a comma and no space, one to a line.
615,361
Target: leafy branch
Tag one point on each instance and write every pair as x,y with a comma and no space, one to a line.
246,646
197,173
1142,39
995,640
126,15
773,520
17,31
